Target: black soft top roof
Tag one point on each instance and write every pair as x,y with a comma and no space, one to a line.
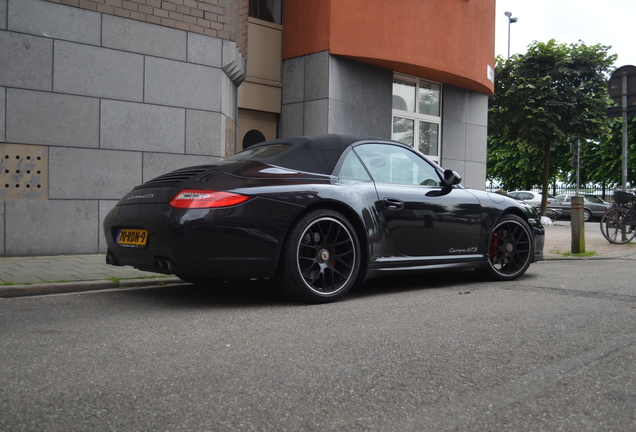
316,154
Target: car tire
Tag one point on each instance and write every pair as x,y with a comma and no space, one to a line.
587,215
320,259
510,249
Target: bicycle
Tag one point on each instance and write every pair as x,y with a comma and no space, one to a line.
618,224
552,213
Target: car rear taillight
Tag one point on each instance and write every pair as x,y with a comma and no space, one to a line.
197,198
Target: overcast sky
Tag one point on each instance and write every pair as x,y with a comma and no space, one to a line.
608,22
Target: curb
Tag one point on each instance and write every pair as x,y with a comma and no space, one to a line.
592,257
81,286
36,289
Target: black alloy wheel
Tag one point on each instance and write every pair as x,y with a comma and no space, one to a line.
510,249
320,259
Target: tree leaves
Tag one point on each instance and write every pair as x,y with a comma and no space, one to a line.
545,99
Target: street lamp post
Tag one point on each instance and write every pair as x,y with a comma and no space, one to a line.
511,20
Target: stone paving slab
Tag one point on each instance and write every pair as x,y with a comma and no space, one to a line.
558,242
63,268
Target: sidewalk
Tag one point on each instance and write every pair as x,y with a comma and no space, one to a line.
558,243
24,276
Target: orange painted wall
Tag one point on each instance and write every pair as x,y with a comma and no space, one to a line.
449,41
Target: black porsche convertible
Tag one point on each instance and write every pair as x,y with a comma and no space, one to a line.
318,214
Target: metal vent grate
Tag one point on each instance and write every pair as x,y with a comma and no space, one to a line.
178,176
24,172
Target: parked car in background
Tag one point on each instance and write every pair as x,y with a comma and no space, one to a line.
530,197
593,206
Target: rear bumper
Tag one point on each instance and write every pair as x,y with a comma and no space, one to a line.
238,242
193,266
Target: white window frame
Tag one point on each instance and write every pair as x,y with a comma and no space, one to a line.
417,117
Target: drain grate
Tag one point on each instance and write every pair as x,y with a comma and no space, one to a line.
24,172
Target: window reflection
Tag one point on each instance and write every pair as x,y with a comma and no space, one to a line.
394,164
403,130
429,98
428,138
352,168
404,96
417,114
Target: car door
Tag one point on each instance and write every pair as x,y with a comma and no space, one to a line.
564,202
424,216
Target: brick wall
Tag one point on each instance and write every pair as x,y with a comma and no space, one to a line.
224,19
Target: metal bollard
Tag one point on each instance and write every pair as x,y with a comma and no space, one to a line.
578,225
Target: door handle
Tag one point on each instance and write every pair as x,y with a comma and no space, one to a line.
393,204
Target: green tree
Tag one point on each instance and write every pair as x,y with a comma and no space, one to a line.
601,161
549,97
519,167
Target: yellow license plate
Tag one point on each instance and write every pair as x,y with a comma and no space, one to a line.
132,237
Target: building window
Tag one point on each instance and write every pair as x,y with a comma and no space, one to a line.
417,114
267,10
253,137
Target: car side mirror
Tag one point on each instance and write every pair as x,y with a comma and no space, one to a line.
451,178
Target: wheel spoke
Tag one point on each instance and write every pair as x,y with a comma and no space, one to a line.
509,249
326,255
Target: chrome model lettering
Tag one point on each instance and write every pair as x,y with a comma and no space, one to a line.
465,250
140,196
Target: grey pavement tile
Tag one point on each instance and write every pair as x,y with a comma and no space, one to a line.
22,280
62,276
27,270
22,273
91,274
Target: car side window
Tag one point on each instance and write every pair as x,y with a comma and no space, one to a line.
352,169
395,164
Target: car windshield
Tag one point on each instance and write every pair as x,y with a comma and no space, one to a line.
593,199
258,153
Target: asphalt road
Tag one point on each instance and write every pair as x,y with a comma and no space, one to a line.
552,351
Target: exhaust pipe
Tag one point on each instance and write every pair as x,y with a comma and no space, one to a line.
111,260
164,265
169,267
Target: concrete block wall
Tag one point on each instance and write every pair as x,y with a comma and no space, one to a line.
464,134
329,94
116,101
